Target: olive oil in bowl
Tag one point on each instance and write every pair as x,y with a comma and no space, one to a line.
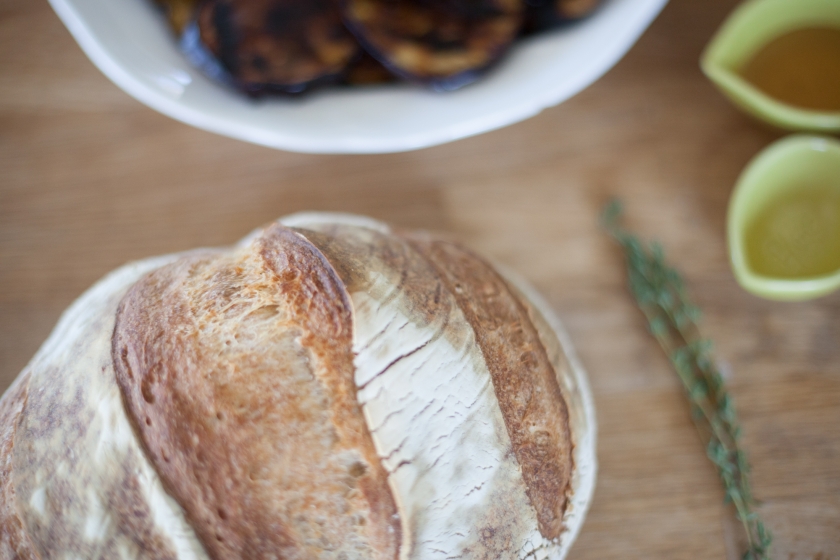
800,68
784,220
796,235
779,60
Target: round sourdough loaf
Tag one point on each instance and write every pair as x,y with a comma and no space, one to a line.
330,388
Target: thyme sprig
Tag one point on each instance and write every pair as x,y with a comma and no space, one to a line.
672,319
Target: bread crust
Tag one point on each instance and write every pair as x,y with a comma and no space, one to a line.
237,373
14,541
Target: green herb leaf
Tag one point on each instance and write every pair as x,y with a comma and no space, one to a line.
672,320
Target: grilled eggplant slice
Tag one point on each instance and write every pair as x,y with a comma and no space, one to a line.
441,43
178,12
273,45
367,71
545,14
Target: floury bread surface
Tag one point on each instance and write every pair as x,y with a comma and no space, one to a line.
327,389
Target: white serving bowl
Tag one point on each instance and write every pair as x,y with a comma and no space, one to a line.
131,43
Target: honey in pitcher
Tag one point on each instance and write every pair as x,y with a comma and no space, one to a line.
797,235
801,68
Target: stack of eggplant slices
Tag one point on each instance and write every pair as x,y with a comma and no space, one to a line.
292,46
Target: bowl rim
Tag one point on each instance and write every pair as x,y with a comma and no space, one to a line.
748,97
750,180
85,33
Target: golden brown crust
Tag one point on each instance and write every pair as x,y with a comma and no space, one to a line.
525,383
14,542
318,295
237,372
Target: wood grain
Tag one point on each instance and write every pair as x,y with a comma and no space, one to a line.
90,179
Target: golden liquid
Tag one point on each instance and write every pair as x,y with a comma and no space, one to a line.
801,68
797,235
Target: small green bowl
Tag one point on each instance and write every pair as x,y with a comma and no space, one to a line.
750,27
781,171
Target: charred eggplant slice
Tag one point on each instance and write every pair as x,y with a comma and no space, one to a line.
441,43
178,12
273,45
367,71
545,14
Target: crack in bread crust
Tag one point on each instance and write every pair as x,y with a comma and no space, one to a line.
525,383
237,373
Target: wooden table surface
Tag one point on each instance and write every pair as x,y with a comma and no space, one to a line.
90,179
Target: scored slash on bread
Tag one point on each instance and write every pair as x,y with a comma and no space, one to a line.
329,388
524,381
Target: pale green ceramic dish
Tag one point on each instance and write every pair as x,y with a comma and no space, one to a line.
781,169
751,26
